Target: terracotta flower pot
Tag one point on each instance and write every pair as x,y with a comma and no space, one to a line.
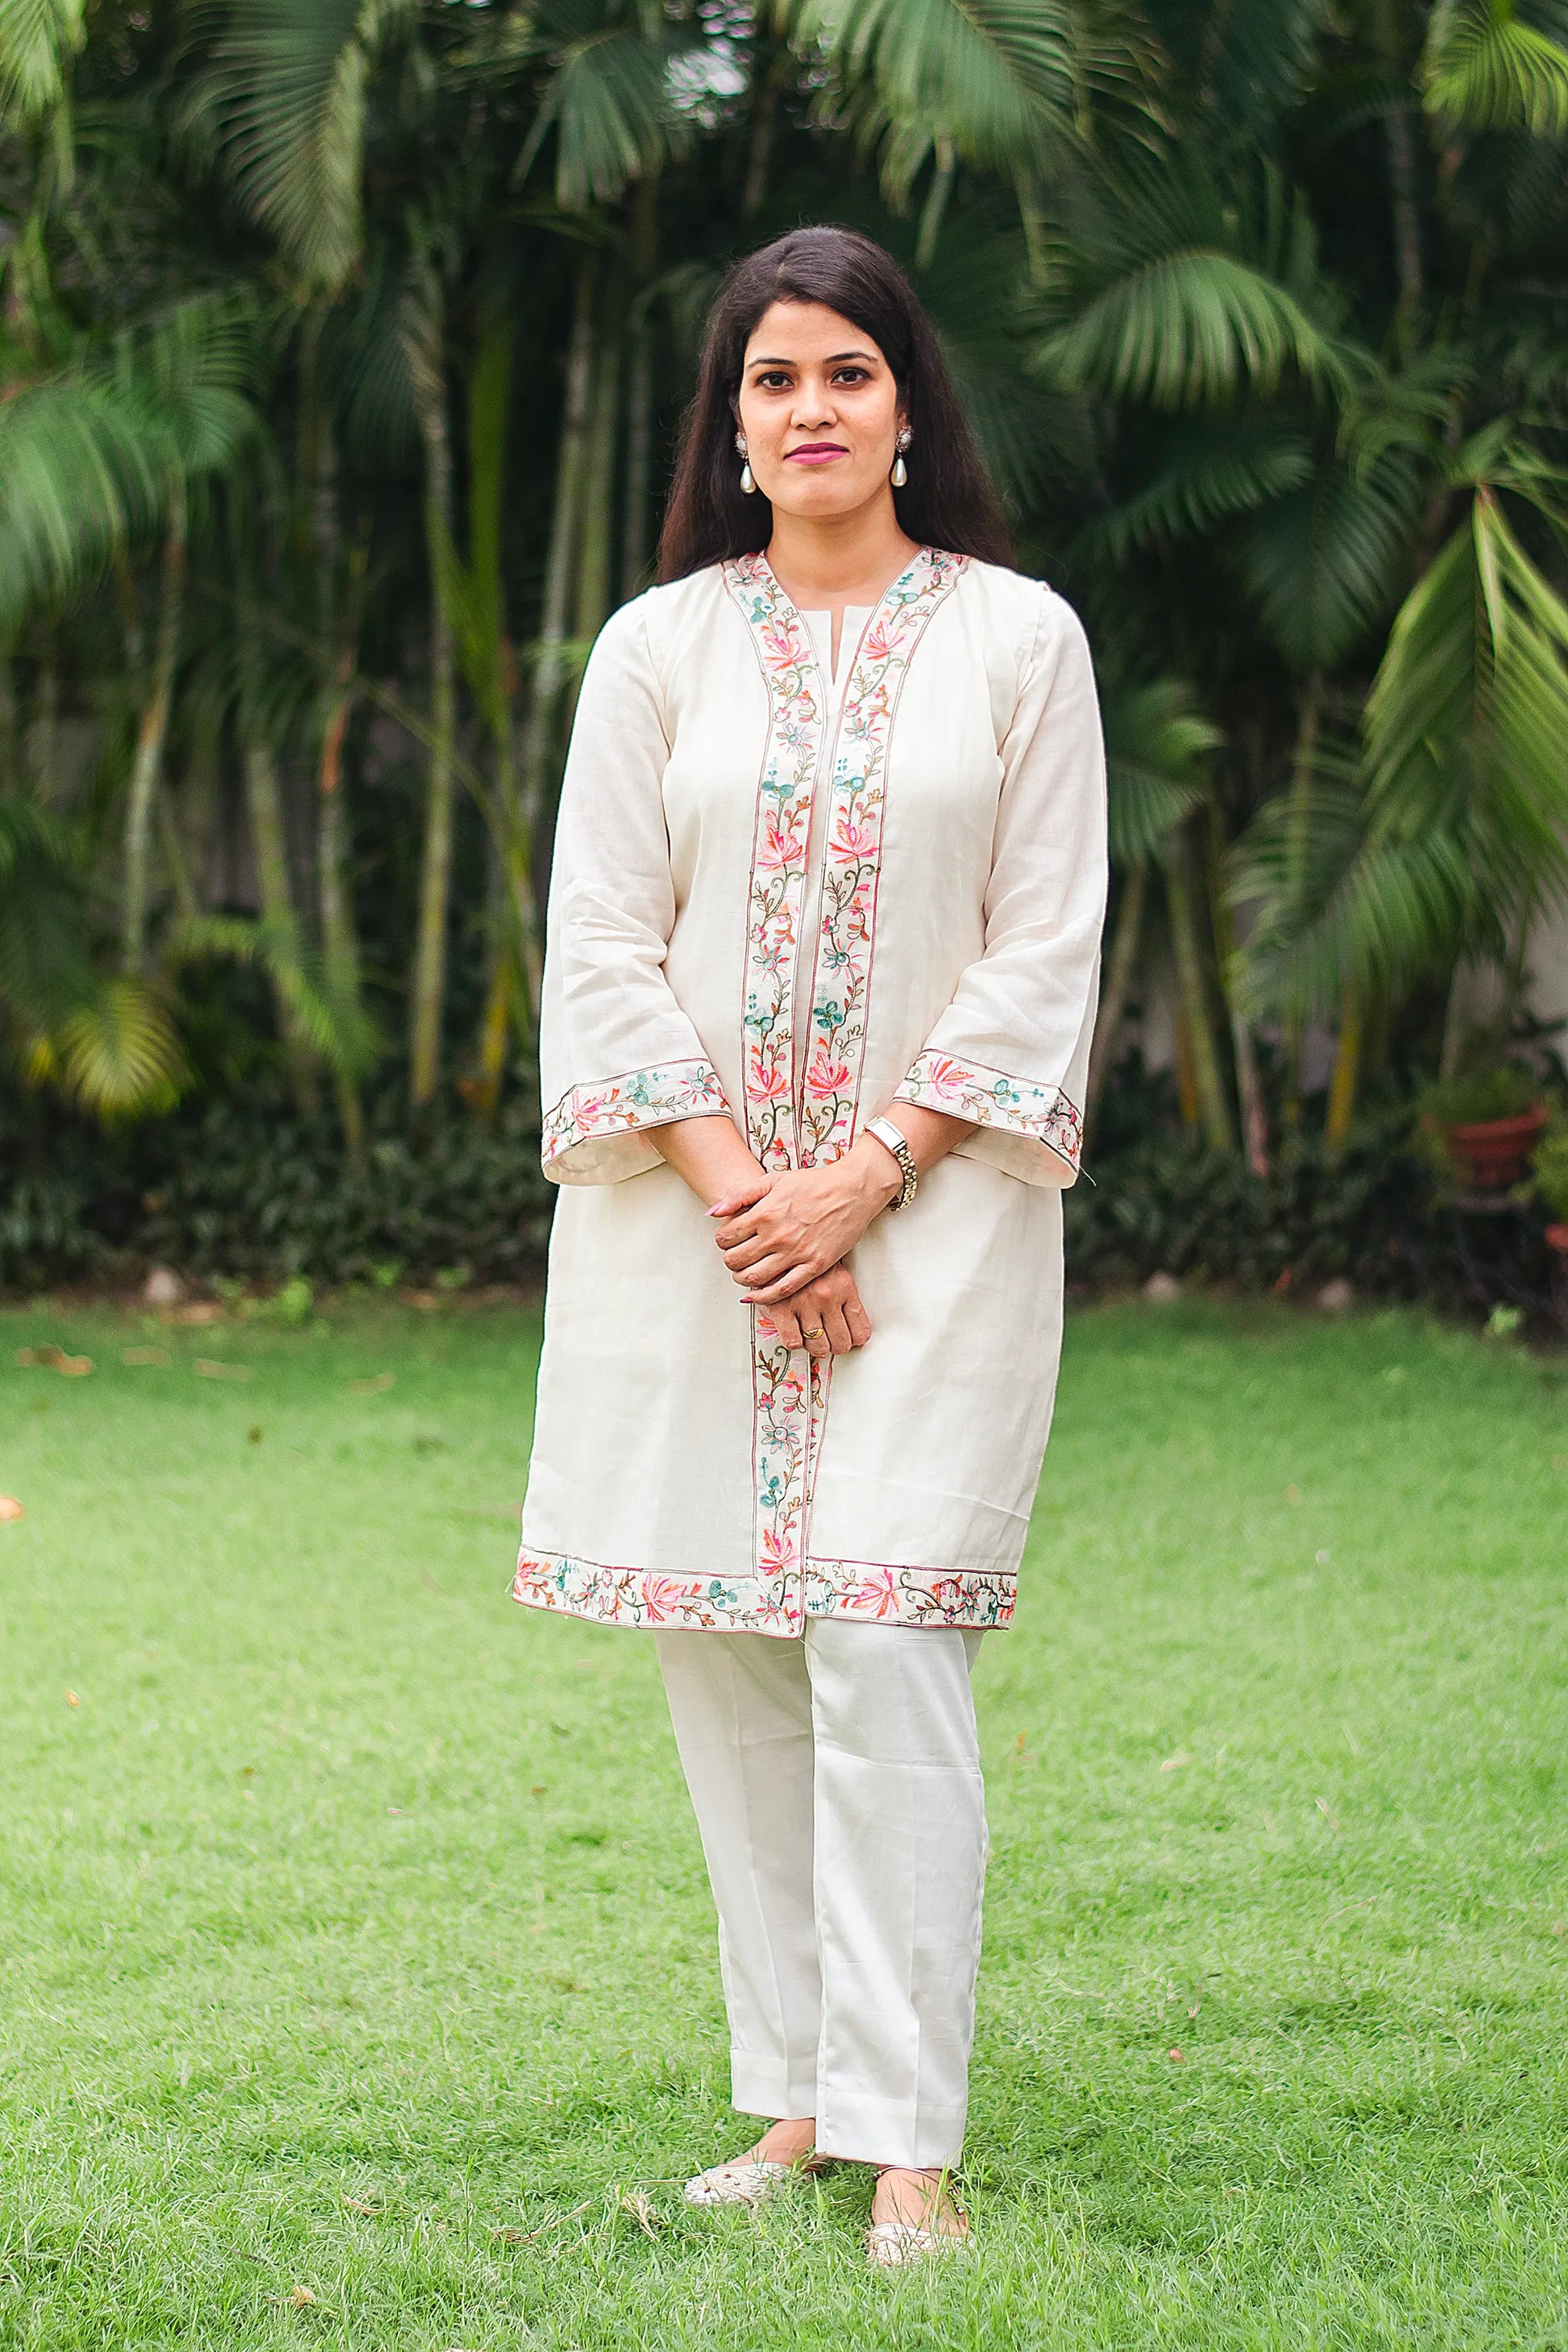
1493,1153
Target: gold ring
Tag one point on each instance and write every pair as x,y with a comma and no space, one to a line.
814,1333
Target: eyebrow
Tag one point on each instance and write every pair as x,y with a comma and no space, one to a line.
833,360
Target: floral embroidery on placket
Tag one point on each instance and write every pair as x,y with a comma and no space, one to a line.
789,1389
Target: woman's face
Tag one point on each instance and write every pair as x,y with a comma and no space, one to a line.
819,409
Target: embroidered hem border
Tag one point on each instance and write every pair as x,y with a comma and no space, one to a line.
871,1590
654,1097
992,1098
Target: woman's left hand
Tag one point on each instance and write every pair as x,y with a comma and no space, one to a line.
784,1232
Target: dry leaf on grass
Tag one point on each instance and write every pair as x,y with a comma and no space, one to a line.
71,1699
10,1508
301,2296
353,2204
375,1387
209,1368
54,1359
638,2204
526,2237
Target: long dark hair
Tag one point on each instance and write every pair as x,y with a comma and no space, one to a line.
948,501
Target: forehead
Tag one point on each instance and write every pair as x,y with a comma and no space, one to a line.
804,332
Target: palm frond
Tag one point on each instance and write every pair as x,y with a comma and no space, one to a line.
282,103
1000,79
1468,716
1189,330
1322,561
36,39
120,1054
335,1027
1487,69
1210,472
1157,746
1337,905
88,455
608,103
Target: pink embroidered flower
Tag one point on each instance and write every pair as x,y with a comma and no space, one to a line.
942,1077
778,1549
770,1075
877,1596
777,850
667,1596
855,836
826,1076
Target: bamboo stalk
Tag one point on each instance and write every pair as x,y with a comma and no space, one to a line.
1303,767
1347,1071
339,938
1212,1108
424,340
550,668
152,734
1125,943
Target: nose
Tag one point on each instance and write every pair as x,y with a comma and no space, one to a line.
812,405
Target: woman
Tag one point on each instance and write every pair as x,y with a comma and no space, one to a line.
820,980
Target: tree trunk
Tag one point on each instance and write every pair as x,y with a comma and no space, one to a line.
152,733
1303,769
11,766
1212,1108
759,155
1243,1050
1347,1071
593,602
1124,946
339,938
43,735
264,804
512,947
181,880
539,733
425,342
1250,1096
1404,202
936,202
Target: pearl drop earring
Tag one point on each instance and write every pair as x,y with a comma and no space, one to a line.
901,473
748,479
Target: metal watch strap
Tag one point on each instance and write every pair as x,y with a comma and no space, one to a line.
887,1133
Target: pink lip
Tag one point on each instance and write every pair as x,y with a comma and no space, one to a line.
816,453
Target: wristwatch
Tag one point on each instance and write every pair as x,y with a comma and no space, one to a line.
887,1133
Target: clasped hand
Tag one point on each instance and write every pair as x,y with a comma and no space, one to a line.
785,1239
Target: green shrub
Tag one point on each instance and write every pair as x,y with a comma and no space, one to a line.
1506,1091
1549,1168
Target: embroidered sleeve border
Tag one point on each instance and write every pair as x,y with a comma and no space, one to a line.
655,1097
992,1098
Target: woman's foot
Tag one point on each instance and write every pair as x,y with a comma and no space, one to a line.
913,2215
784,2151
790,2142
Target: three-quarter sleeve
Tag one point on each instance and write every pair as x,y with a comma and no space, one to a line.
1011,1050
617,1056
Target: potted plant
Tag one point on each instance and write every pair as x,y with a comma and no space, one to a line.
1489,1123
1549,1169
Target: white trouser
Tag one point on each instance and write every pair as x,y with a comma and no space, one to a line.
836,1785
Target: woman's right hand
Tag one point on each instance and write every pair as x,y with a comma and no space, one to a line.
826,1317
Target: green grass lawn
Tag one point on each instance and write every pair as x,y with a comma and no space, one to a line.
358,1976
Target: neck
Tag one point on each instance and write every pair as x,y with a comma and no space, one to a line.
833,559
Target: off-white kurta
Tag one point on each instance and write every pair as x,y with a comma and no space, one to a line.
797,899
